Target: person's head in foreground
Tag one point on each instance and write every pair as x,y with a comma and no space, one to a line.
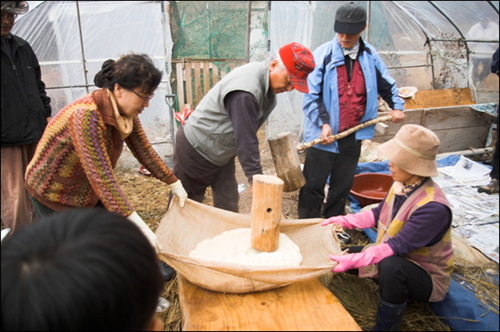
81,269
412,154
289,69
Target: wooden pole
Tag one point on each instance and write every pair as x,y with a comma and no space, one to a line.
266,212
286,161
345,133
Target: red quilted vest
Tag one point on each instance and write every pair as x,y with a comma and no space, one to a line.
352,96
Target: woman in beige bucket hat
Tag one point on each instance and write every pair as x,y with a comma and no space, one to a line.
413,256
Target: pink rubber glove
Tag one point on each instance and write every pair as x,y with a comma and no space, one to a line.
372,255
364,219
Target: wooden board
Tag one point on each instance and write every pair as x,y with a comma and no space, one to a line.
195,79
457,127
302,306
439,98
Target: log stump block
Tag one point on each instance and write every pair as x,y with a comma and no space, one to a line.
286,161
266,212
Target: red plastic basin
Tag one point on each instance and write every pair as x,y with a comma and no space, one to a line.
370,188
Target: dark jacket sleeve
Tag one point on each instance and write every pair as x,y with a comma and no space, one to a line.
25,104
494,63
243,110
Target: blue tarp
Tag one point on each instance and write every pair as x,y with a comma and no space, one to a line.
460,303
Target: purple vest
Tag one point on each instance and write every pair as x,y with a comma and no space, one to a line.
436,259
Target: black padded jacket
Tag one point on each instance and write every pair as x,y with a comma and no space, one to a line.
25,104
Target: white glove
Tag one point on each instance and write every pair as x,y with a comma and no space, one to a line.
178,190
136,219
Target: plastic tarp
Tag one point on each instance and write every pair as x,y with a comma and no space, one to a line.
73,38
421,43
462,303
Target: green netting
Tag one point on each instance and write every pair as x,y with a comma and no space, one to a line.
209,29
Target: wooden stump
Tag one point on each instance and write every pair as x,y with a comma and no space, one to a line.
266,212
286,161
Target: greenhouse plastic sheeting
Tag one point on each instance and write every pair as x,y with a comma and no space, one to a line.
421,43
72,39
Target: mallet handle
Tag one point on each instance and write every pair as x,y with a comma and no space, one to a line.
345,133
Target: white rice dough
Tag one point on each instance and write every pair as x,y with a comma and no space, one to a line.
235,247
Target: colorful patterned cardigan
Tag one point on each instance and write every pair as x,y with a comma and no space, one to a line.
74,161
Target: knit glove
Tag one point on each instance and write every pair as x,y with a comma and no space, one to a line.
178,190
364,219
372,255
136,219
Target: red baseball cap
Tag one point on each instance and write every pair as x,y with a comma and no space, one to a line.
299,62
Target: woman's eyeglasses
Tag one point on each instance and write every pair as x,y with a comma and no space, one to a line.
146,99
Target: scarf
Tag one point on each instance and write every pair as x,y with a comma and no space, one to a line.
124,124
351,52
403,190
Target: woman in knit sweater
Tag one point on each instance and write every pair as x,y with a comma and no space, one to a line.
74,161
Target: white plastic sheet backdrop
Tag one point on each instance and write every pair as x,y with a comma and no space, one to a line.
396,30
109,29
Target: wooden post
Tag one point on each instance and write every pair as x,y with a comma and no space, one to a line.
345,133
266,212
286,161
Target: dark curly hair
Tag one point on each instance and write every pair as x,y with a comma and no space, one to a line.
130,71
